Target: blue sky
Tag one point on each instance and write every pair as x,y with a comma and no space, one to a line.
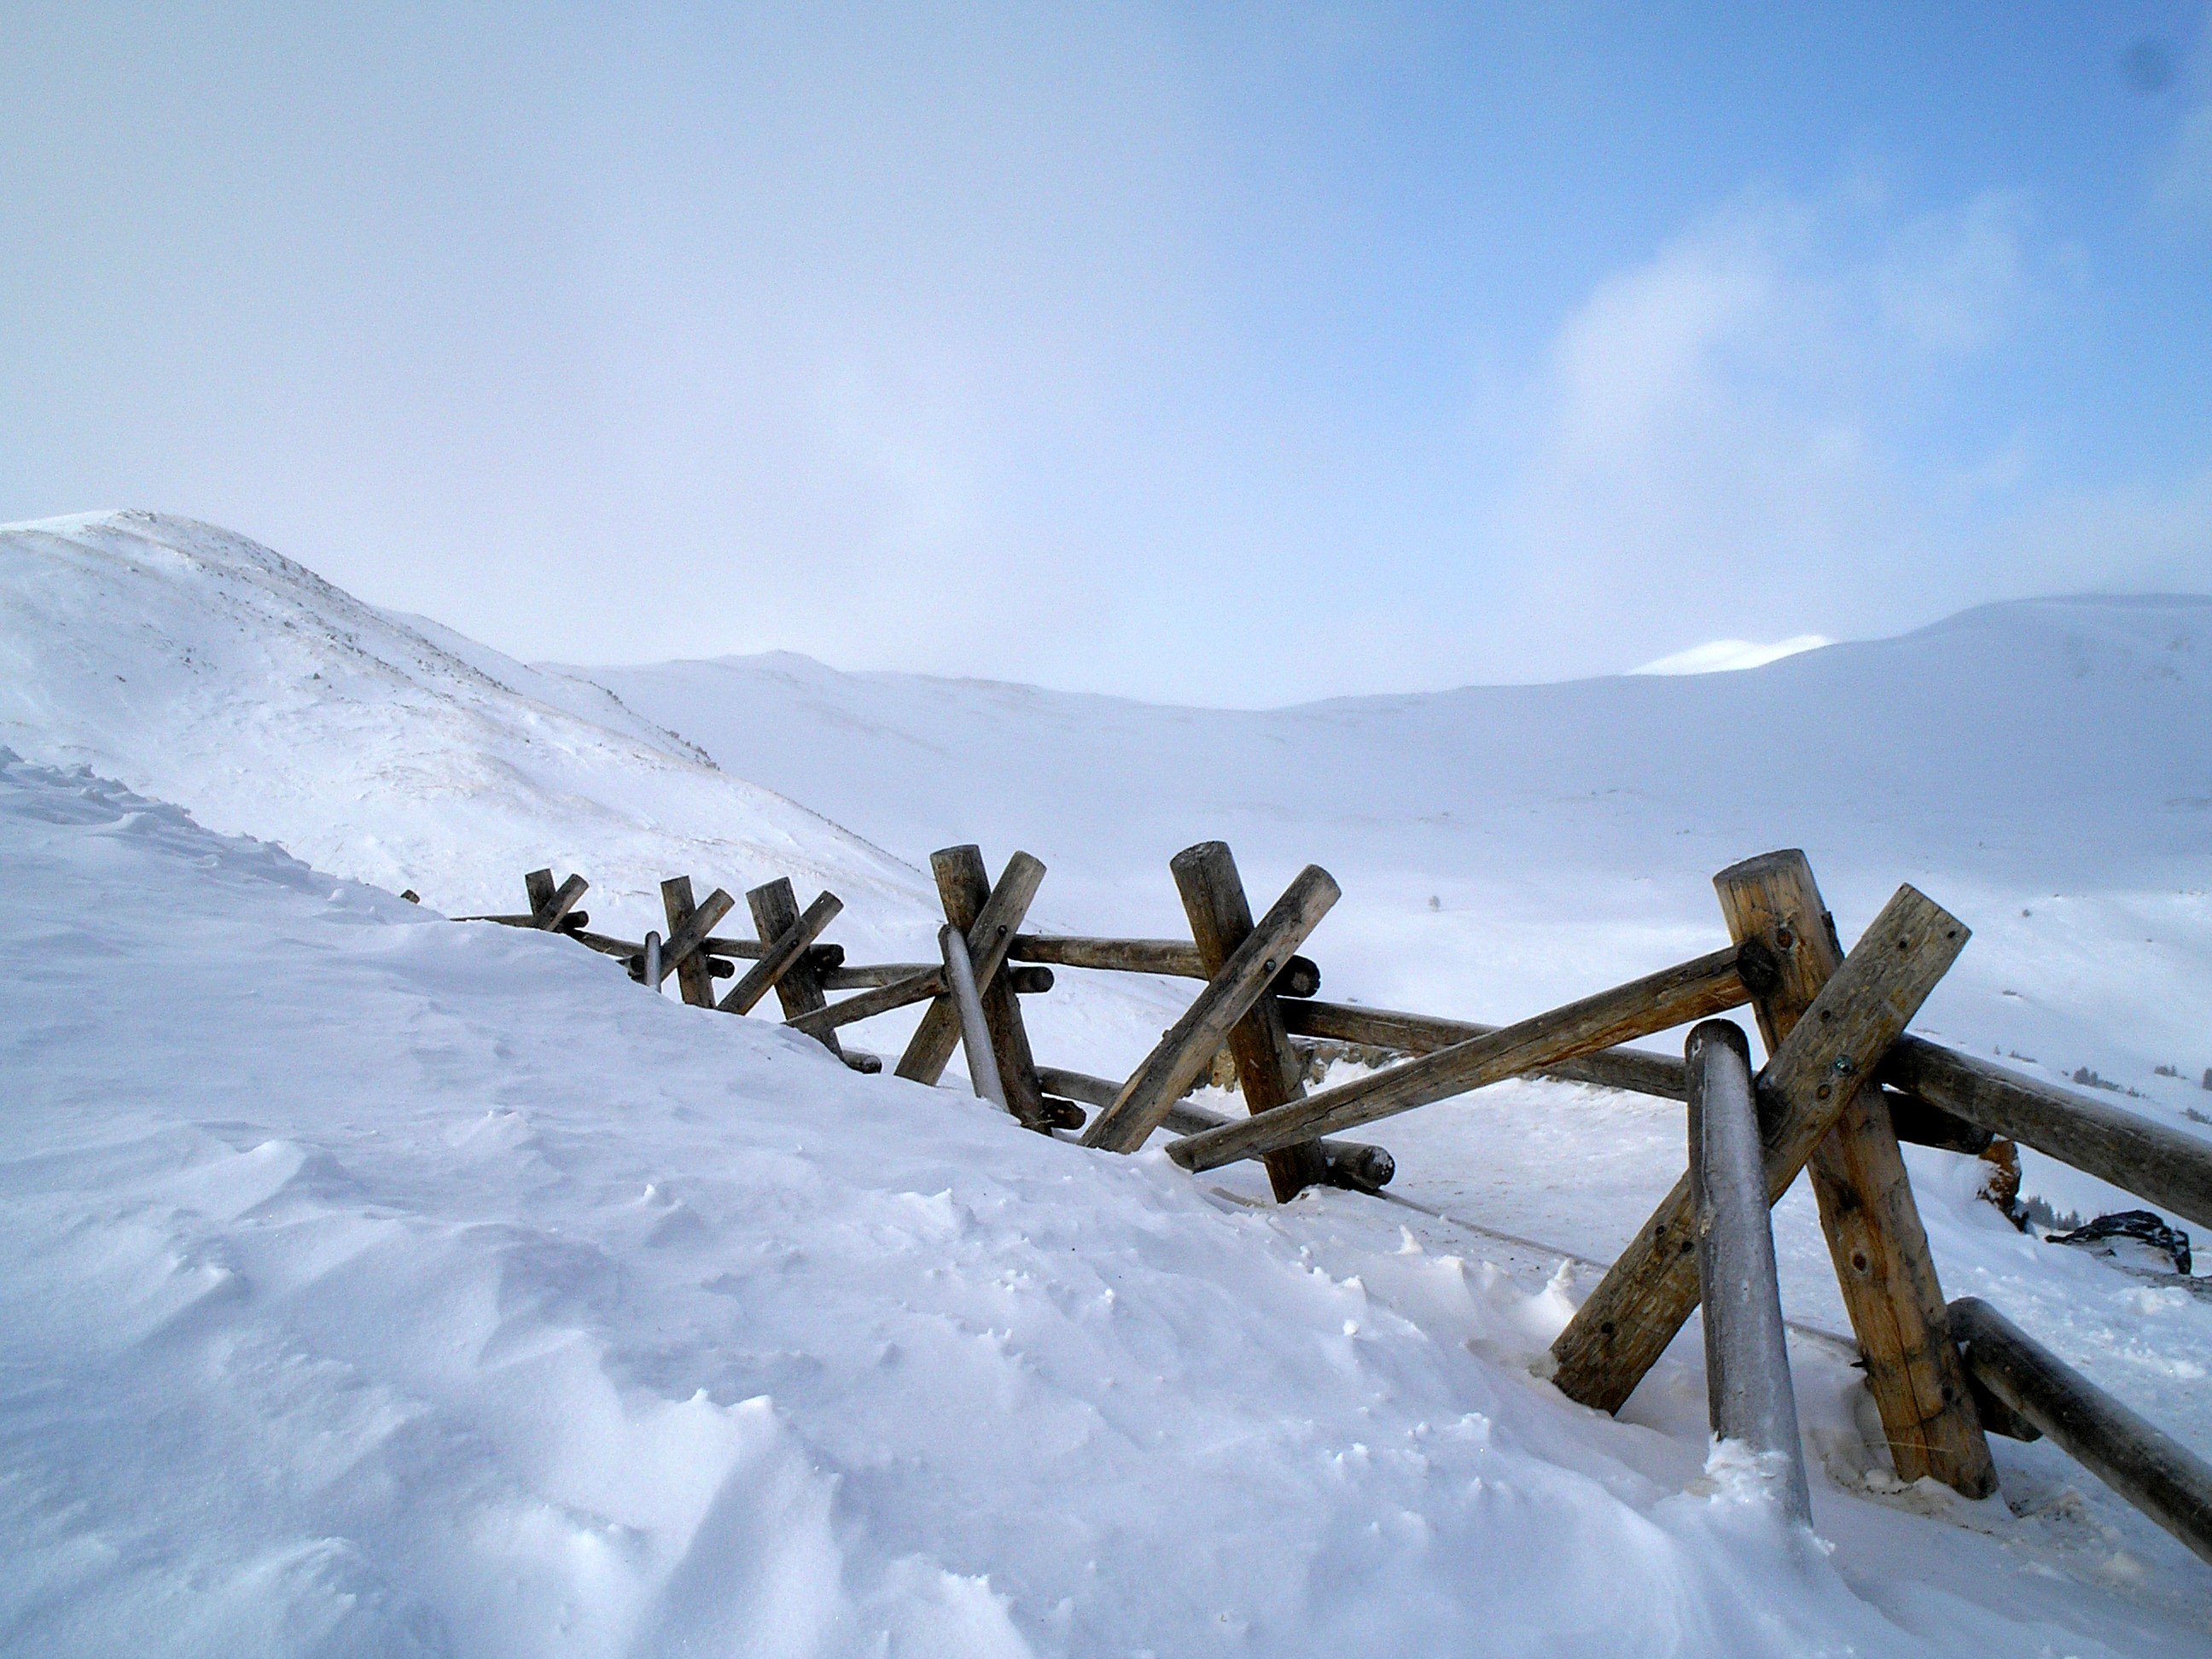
1226,354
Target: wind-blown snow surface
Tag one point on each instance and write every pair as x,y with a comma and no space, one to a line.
199,667
370,1285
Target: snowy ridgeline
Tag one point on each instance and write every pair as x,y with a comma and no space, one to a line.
379,1285
378,1281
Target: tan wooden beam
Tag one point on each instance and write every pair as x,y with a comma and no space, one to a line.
1873,1226
990,930
1191,1042
1268,1071
1675,996
688,927
775,910
1621,1330
778,959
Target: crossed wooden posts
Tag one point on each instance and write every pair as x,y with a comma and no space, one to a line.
1843,1081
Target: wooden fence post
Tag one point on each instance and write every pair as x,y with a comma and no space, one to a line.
775,910
1867,1209
987,917
549,905
1191,1042
989,926
1651,1287
1673,996
778,958
1268,1070
688,927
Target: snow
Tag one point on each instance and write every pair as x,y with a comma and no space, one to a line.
370,1283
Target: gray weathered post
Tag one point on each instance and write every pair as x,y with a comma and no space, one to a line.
967,1002
2148,1468
1748,1395
653,974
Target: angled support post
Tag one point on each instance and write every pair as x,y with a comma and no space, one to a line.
688,927
975,1031
1191,1042
1268,1072
987,917
1629,1319
774,909
780,957
550,906
1873,1226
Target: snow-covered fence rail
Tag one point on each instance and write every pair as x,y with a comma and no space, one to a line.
1843,1085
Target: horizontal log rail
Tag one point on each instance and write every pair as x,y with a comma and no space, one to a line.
1680,995
1171,958
1354,1164
2146,1466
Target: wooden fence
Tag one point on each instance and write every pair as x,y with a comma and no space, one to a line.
1843,1084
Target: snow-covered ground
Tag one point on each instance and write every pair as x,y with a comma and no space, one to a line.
374,1285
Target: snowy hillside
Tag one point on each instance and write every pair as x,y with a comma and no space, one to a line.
518,1312
199,667
381,1286
2044,769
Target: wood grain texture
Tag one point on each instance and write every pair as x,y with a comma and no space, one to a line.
2169,1168
1873,1226
688,927
1356,1165
1636,1070
2148,1467
775,910
1172,957
1652,1286
779,958
986,916
1189,1045
1674,996
1268,1071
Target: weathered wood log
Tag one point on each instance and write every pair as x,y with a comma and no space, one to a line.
1873,1226
975,1033
1632,1069
1269,1073
989,931
775,910
1191,1042
822,958
1638,1071
549,905
688,927
2148,1467
1674,996
1351,1163
2172,1169
1027,979
778,959
1173,957
1748,1394
919,986
963,886
1625,1325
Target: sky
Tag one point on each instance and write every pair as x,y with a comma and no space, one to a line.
1215,354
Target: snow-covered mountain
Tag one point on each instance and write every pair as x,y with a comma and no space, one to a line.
195,665
384,1286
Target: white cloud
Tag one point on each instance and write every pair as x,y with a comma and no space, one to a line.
1726,435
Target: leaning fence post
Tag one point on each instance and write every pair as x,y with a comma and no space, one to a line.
1875,1238
1748,1395
974,1035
